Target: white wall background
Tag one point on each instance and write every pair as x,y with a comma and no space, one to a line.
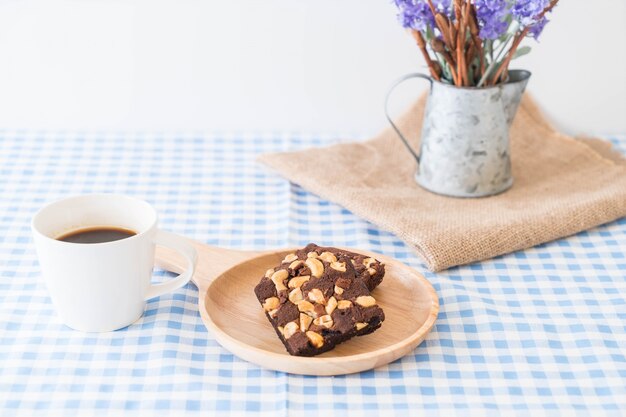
268,65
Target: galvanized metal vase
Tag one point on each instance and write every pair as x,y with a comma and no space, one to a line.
464,148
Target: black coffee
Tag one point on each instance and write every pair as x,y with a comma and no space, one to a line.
97,235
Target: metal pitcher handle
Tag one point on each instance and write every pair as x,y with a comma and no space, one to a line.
391,89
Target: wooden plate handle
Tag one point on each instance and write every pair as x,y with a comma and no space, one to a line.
212,261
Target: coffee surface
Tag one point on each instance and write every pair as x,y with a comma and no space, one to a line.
96,235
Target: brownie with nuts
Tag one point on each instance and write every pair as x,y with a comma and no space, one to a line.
370,270
317,298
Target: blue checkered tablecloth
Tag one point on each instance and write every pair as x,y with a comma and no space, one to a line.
540,332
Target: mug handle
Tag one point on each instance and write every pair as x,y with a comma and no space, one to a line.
391,90
179,244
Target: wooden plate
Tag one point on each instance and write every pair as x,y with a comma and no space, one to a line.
229,308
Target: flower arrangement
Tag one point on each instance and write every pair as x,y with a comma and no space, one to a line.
472,42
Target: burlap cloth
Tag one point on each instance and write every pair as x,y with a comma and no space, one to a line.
562,186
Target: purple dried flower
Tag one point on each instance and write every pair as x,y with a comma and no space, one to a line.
492,17
443,6
535,30
527,11
414,14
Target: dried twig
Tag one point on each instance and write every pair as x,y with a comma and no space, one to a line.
422,45
478,43
450,61
459,57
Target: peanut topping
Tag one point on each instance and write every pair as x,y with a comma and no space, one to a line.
290,258
316,267
295,264
271,303
343,304
317,296
295,296
278,277
368,262
328,257
312,255
332,305
324,321
290,329
338,290
338,266
360,326
305,307
315,338
269,272
366,301
298,281
305,322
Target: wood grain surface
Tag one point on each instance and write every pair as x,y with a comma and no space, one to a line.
229,309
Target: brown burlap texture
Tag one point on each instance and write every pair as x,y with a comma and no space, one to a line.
562,186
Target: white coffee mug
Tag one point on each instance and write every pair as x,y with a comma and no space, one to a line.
99,287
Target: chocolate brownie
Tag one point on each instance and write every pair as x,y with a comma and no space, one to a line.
316,299
370,270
